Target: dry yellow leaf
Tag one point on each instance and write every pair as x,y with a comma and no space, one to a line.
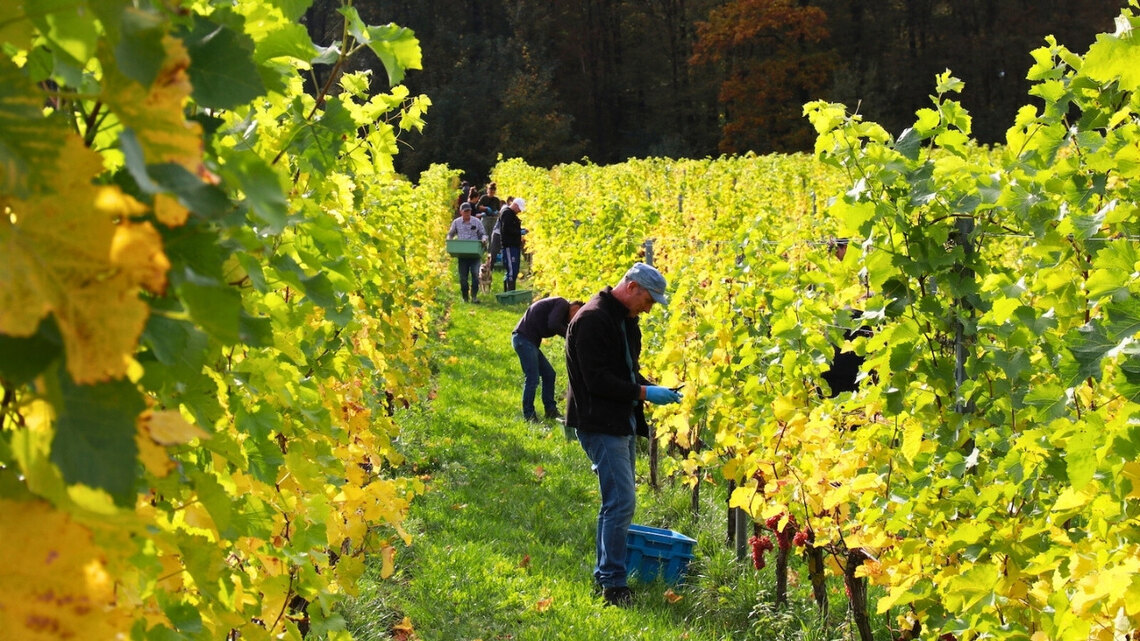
169,211
57,256
155,113
55,583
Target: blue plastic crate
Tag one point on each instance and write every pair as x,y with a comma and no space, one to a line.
653,552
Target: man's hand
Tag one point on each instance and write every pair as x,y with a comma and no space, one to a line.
661,395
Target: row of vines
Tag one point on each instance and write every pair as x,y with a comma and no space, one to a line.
211,301
985,472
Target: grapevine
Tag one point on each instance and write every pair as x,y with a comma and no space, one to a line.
983,473
211,299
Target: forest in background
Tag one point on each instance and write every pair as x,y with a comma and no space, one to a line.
556,81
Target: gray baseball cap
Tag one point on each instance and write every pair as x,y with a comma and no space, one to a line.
650,279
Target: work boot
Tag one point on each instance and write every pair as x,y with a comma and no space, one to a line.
621,596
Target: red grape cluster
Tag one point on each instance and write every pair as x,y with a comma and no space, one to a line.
790,534
760,545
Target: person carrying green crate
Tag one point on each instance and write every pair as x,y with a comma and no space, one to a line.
606,407
466,227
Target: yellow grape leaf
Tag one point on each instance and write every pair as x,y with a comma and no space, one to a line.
388,561
55,583
1131,471
137,250
152,456
167,427
1071,499
912,441
784,407
155,113
64,254
169,211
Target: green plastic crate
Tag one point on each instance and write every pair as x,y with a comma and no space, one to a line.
517,296
457,247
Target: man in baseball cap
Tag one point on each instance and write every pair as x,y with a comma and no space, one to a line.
650,279
606,407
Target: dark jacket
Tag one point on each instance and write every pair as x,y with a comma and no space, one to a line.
603,391
510,227
545,318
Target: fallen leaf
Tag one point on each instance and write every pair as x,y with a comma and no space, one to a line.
671,596
544,604
525,563
403,631
539,472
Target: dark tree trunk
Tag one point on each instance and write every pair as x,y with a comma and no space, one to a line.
814,557
857,588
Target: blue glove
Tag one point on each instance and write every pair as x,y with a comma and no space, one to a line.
661,395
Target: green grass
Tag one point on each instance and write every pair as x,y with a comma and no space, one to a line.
503,539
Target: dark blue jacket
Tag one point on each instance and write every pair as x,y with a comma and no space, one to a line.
510,227
545,318
604,390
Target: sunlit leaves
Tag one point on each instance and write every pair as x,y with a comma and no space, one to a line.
988,453
59,258
281,310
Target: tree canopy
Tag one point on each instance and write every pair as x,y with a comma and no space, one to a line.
554,81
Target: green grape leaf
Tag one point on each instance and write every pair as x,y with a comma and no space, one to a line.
29,142
202,198
320,142
205,565
396,46
222,69
173,341
69,28
214,306
293,9
262,188
908,144
1113,57
289,42
264,454
15,28
94,441
1113,269
22,359
140,52
1080,456
255,331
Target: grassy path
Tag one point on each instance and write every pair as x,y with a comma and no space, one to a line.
503,540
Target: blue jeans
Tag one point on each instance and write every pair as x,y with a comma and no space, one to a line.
511,259
534,366
469,267
612,459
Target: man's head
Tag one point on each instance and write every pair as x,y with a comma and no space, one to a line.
640,288
465,210
518,204
574,307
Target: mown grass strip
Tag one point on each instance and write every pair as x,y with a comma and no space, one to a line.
503,543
